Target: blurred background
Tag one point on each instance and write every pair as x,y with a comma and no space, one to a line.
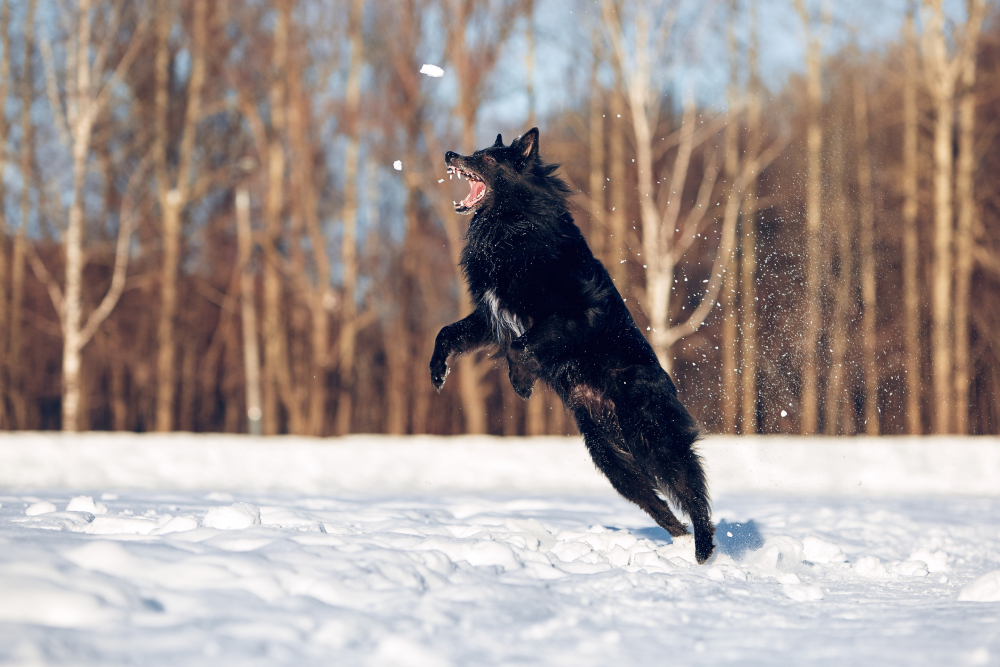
228,215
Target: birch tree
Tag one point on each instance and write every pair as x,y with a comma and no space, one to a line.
748,236
89,88
26,84
911,258
348,318
812,315
472,65
841,273
967,210
942,71
866,241
730,318
174,190
665,238
5,365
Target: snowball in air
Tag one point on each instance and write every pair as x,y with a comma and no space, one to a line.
432,70
397,165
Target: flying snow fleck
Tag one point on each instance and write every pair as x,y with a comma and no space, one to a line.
432,70
784,413
397,165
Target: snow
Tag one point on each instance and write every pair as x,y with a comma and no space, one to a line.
432,70
398,165
198,550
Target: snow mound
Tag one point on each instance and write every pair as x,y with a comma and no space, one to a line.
234,517
984,589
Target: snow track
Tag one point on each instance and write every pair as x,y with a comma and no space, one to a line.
394,577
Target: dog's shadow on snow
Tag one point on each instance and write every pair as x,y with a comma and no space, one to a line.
732,539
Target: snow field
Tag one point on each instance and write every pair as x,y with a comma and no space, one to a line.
112,575
372,464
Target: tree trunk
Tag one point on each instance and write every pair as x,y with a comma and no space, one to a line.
529,59
27,85
6,356
173,198
615,247
965,196
748,240
656,242
812,316
911,258
728,300
349,250
942,85
597,187
72,313
171,226
843,281
248,312
867,251
277,387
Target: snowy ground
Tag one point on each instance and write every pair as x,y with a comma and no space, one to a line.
117,574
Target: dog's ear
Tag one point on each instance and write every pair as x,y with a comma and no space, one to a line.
499,142
527,144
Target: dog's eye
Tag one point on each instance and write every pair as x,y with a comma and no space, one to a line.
488,158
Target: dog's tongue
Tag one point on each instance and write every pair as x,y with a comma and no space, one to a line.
475,192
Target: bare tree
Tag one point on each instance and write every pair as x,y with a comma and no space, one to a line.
812,315
5,366
866,242
174,191
615,247
27,86
911,259
728,301
348,310
664,238
966,200
472,66
942,76
841,272
940,73
88,92
748,236
248,312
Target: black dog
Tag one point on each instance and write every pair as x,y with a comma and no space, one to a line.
544,299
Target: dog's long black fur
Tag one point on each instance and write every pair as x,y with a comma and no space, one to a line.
549,305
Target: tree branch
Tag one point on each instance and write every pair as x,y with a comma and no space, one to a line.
750,171
121,255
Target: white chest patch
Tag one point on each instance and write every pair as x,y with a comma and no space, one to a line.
502,319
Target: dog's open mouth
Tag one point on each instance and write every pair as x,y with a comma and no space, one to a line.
477,190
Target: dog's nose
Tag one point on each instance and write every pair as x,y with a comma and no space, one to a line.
449,156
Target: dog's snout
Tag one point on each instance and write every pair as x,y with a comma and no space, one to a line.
449,156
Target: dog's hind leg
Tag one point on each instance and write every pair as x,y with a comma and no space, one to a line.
679,474
613,457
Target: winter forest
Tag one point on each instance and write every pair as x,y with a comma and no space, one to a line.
222,215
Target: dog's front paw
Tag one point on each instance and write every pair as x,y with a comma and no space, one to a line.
522,387
522,374
439,370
